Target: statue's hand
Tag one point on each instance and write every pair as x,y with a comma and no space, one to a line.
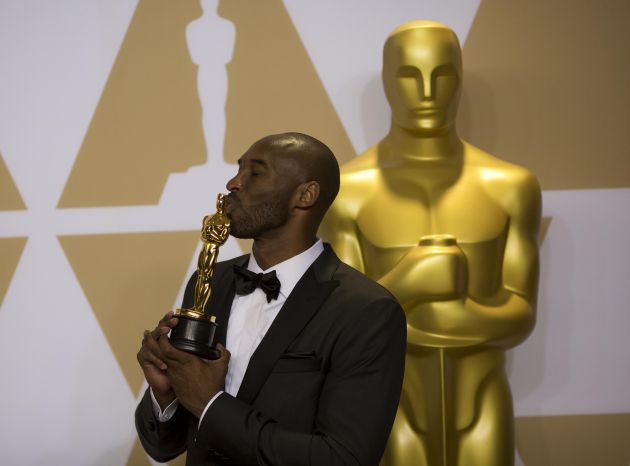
428,274
216,228
216,233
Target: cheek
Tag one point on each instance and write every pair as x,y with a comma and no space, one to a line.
447,91
408,90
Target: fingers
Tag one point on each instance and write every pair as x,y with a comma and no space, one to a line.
146,357
168,320
164,325
222,363
152,346
225,354
170,353
149,353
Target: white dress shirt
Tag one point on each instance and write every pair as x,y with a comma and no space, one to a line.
250,318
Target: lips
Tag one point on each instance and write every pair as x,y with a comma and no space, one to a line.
230,203
424,111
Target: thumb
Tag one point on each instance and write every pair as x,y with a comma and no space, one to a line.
225,354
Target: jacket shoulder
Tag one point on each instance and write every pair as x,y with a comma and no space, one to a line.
361,288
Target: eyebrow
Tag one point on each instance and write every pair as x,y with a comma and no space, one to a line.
259,162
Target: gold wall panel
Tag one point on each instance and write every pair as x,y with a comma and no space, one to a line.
138,457
545,86
588,440
273,85
10,198
10,252
544,229
179,461
130,281
147,124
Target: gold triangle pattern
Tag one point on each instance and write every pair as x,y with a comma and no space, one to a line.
595,439
551,95
130,280
273,85
10,251
148,121
10,198
138,457
544,229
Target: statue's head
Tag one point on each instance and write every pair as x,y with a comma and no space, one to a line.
422,75
209,6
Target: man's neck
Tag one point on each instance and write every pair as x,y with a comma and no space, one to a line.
272,251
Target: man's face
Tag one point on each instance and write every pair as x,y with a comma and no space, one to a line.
422,77
260,193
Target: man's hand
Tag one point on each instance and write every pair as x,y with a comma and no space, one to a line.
152,362
194,380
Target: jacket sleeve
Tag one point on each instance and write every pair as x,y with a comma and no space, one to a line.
163,441
356,408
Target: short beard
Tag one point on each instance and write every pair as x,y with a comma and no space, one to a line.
261,218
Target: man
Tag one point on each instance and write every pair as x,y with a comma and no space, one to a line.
311,377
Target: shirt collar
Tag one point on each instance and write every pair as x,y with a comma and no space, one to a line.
291,270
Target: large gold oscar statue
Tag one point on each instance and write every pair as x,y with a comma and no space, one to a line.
451,231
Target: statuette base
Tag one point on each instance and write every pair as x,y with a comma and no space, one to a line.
195,335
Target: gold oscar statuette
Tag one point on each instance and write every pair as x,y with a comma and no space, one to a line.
196,328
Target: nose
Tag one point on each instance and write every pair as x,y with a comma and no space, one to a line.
235,184
427,86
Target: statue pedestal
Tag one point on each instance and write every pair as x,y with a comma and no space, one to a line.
195,335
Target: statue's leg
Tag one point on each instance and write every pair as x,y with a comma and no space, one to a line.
416,438
489,440
405,446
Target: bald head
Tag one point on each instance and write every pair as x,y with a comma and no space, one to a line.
311,159
284,186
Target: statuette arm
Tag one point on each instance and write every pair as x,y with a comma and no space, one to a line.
504,318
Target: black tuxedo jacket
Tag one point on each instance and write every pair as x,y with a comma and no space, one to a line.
321,388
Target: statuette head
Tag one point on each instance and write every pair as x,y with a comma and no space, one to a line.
422,75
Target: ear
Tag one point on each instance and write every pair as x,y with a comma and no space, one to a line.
307,194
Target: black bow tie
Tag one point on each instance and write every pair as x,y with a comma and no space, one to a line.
247,281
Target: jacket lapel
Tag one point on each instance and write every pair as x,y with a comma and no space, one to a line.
306,298
220,302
